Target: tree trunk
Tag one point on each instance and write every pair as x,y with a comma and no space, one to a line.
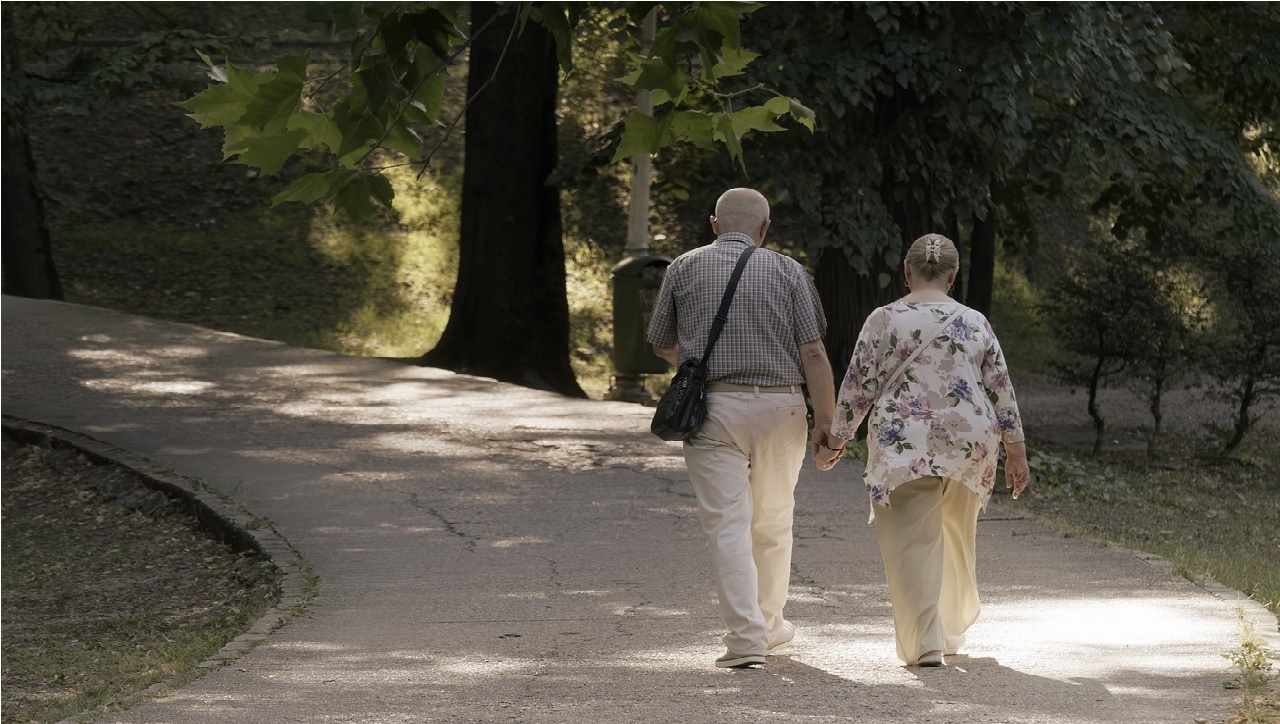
1243,418
847,298
1157,414
1095,381
27,254
510,314
982,263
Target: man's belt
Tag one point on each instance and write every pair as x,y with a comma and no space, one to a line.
734,387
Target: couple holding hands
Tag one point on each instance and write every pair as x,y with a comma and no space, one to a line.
928,376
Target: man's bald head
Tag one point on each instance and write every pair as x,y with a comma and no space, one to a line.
745,211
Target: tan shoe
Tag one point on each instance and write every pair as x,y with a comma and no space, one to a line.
786,634
739,661
931,659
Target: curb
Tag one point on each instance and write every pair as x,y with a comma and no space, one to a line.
221,517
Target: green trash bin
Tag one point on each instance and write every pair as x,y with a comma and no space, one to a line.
636,280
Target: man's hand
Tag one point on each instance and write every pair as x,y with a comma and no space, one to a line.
826,449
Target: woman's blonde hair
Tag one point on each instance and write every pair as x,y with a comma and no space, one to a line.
933,256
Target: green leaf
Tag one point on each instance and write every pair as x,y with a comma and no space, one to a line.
269,154
295,64
205,58
654,75
755,118
321,130
430,96
642,134
359,199
359,134
274,103
803,114
724,18
405,141
379,84
733,61
725,133
433,29
224,103
314,187
381,190
695,127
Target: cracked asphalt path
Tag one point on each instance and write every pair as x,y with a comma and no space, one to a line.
490,553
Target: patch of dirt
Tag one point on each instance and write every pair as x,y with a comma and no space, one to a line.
102,573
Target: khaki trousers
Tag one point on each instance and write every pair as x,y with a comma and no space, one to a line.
744,463
927,540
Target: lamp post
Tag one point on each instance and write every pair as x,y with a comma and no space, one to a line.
629,386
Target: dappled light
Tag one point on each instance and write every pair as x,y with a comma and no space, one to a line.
490,552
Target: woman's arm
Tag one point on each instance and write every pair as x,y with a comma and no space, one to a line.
999,388
858,391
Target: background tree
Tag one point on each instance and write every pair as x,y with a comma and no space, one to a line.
1094,309
966,118
47,68
927,115
1244,354
400,53
1168,322
511,277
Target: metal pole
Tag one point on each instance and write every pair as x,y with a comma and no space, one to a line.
641,164
630,386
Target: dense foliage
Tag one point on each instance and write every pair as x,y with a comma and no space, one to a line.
401,55
1150,127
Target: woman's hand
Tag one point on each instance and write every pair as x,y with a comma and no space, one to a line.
1017,473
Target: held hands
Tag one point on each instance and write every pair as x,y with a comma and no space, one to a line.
826,449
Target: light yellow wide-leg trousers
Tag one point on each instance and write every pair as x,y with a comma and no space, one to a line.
744,463
927,541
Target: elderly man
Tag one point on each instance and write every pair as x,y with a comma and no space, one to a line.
745,459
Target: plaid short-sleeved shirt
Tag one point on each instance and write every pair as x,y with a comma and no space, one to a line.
775,310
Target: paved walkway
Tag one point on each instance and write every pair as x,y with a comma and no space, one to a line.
488,553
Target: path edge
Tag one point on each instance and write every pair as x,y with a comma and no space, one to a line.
215,513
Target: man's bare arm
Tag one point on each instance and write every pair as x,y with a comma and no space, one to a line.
818,378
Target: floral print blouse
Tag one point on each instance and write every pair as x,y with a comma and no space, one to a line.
946,413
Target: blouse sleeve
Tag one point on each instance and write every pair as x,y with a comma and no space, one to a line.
999,389
862,381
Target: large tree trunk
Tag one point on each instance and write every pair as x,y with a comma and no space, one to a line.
510,314
848,297
982,263
27,254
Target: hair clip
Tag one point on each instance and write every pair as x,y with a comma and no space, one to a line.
933,249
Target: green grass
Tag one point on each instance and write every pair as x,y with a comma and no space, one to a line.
303,277
81,542
1256,679
1212,519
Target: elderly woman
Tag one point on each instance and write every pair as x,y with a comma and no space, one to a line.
930,374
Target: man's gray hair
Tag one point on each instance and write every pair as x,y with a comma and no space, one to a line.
742,210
